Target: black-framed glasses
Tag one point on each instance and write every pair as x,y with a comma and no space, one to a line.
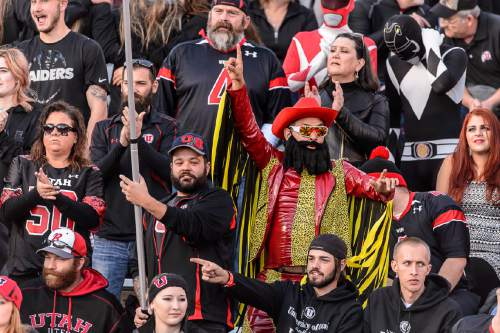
62,129
143,63
358,36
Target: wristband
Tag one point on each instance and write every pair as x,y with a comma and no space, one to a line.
230,282
135,140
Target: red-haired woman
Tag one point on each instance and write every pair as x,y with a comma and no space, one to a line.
471,176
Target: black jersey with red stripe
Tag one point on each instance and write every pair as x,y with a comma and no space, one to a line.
30,218
436,219
193,79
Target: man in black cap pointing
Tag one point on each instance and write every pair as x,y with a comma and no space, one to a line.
326,302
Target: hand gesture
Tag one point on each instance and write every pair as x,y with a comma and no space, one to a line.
422,22
117,76
211,272
140,317
135,193
338,97
44,187
312,92
234,68
125,132
3,120
384,185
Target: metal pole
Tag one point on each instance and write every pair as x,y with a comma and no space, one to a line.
134,154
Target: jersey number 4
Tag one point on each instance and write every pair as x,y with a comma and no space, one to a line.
42,219
218,88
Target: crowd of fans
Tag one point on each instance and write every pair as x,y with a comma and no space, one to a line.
369,200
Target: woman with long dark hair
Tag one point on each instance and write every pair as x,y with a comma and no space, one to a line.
55,186
363,120
471,176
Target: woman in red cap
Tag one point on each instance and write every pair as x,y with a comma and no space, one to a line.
10,302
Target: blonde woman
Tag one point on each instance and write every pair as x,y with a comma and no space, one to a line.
10,303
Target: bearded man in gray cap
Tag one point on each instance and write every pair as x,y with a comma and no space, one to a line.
325,303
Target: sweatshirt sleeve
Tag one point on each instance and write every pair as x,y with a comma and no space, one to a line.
207,221
267,297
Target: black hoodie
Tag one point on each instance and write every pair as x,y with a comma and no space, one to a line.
88,308
296,308
432,312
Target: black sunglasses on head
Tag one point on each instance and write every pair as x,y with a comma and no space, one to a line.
63,129
144,63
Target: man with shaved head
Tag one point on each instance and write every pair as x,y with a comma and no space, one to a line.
417,301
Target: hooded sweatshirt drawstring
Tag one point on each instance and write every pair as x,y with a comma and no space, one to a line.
69,313
53,310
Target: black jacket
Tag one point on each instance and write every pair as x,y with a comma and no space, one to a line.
296,308
362,124
16,139
369,18
201,225
87,308
158,132
298,18
433,312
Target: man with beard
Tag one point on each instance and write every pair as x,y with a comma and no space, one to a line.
197,221
193,79
110,151
303,193
71,298
326,303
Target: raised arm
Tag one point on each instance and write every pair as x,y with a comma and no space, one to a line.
253,139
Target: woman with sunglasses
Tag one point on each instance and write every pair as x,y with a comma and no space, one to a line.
471,176
55,186
363,120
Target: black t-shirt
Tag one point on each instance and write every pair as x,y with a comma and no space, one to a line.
65,69
483,53
436,219
34,218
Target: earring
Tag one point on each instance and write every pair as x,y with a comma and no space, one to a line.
356,75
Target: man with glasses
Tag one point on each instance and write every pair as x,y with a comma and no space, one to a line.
465,25
110,151
303,193
70,297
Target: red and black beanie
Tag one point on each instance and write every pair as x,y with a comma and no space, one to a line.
240,4
379,160
165,280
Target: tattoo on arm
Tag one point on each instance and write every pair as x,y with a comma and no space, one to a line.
98,92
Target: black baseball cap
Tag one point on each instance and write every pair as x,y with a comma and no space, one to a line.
190,140
240,4
448,8
330,243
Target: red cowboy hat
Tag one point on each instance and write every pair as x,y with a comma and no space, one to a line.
306,107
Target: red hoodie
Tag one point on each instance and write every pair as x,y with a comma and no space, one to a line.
85,309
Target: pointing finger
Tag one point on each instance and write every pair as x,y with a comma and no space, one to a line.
239,58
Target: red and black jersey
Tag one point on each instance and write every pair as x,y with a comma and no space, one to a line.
79,206
193,79
436,219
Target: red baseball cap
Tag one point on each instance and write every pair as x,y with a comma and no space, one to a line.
10,291
65,243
